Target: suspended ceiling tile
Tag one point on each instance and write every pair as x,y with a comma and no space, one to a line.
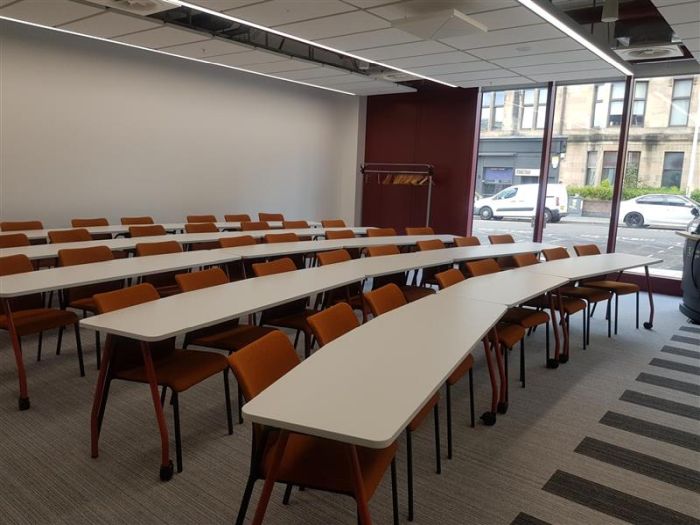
586,76
382,91
546,58
381,37
662,3
110,24
560,68
282,66
278,12
689,30
337,25
416,8
507,18
223,5
433,59
693,44
247,58
526,48
496,83
207,48
52,13
424,47
162,37
3,3
503,37
474,75
366,4
681,13
463,67
317,72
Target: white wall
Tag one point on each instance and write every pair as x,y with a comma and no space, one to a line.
90,129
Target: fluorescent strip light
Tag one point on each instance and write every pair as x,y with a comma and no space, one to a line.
303,40
101,39
559,24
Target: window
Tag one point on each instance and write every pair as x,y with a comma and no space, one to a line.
673,169
591,167
534,108
486,100
508,193
633,158
492,110
498,103
609,165
657,200
674,200
639,105
617,102
680,102
599,110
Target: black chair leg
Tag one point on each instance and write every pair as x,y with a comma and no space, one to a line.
436,417
98,349
227,393
38,350
609,318
448,403
78,347
637,311
546,342
103,405
522,362
409,473
240,405
163,392
394,493
617,300
296,338
247,494
60,340
178,438
584,317
471,397
287,494
588,323
307,345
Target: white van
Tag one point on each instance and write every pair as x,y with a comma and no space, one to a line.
521,200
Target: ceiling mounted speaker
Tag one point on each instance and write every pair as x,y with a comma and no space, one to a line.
440,24
611,11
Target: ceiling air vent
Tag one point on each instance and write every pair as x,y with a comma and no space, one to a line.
641,54
137,7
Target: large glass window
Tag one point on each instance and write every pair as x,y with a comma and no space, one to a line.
680,102
617,101
673,169
534,108
591,167
609,165
640,103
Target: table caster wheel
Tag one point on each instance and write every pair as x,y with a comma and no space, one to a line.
502,407
24,403
488,418
563,359
552,363
648,325
166,473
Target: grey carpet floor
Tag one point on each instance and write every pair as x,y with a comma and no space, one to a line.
588,443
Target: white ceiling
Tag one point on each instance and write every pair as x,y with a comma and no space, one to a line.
684,18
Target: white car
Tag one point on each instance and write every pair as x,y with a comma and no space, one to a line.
658,210
521,200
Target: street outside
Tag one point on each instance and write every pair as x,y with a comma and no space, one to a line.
662,243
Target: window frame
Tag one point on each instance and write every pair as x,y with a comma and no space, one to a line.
674,98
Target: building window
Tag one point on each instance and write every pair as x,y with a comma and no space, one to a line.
599,110
486,99
617,102
492,110
609,165
639,105
673,169
534,108
499,98
591,167
680,102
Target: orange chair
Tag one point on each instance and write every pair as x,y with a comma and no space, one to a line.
268,217
308,461
201,218
351,294
381,301
149,230
14,240
135,221
614,286
339,234
429,273
425,230
238,270
234,242
290,315
27,316
254,225
281,237
164,283
333,223
237,217
202,227
81,297
89,223
463,242
294,224
381,232
503,262
412,293
76,235
15,226
128,360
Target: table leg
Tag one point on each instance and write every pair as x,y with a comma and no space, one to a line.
489,418
166,466
19,360
363,515
271,477
650,323
554,362
502,406
98,400
564,356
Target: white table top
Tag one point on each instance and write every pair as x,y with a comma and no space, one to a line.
389,264
182,313
470,253
397,240
576,268
366,386
81,275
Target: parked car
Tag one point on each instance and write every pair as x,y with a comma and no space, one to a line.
658,210
521,200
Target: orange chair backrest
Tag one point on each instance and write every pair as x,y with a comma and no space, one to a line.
241,240
381,232
553,254
333,223
333,322
483,267
333,257
449,277
13,264
71,257
237,217
15,226
265,217
525,259
294,224
463,242
125,297
281,237
86,223
282,265
423,230
387,249
339,234
204,279
385,299
587,249
130,221
13,240
201,218
75,235
263,362
201,227
432,244
147,231
254,225
505,238
144,249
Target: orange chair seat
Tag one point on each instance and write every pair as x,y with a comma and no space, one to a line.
526,317
509,334
323,464
167,290
413,293
418,419
86,303
38,319
296,321
462,370
234,338
181,369
617,287
590,294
